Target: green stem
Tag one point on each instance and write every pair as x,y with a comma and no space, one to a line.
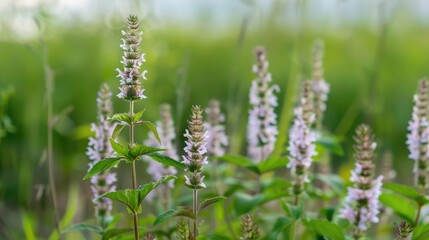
292,231
416,221
133,169
195,212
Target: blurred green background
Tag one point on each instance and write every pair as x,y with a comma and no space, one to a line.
375,52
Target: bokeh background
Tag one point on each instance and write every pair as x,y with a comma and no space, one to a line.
375,53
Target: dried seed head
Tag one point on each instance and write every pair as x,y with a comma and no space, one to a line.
183,232
149,236
132,60
403,230
249,228
262,125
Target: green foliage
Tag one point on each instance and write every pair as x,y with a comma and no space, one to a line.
152,128
400,205
279,226
244,203
330,143
325,228
82,227
208,202
102,166
266,166
133,198
111,233
292,211
166,161
407,191
421,232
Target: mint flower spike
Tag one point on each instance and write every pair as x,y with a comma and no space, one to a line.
131,86
302,139
195,151
262,125
166,132
320,86
217,141
361,204
98,149
417,139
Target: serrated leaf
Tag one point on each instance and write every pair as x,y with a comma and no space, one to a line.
164,216
325,228
139,150
272,164
117,131
121,117
280,224
83,226
102,166
206,203
421,232
400,205
115,232
133,198
119,149
166,161
406,191
138,115
152,128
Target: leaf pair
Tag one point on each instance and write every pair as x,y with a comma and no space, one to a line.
187,212
133,198
105,235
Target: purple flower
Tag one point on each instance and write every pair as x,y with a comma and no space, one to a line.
418,136
262,125
319,85
195,150
98,149
132,60
361,203
217,140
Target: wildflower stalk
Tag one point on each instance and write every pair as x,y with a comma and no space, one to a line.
131,87
195,158
403,231
362,204
417,139
249,228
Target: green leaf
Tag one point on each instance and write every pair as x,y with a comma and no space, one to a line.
241,162
166,161
83,226
406,191
292,211
152,128
331,143
421,232
102,166
280,224
325,228
119,149
117,131
115,232
138,115
206,203
272,164
335,182
244,203
164,216
123,118
139,150
400,205
133,198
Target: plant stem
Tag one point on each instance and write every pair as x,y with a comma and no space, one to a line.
49,91
292,231
133,169
195,212
296,200
416,221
